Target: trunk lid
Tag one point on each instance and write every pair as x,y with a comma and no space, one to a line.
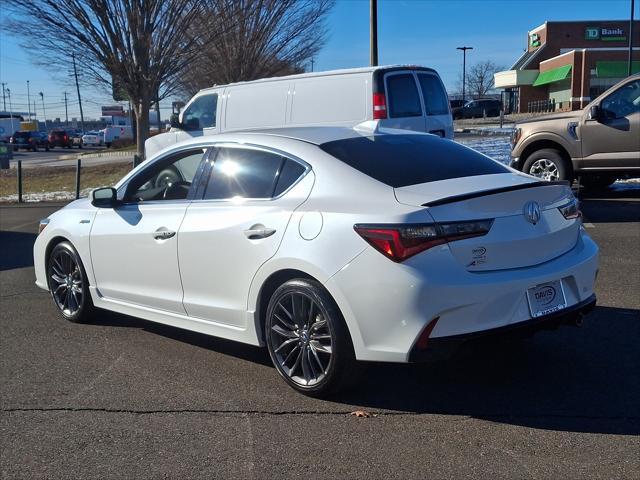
514,240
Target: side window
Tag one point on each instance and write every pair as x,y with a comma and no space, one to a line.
243,173
622,102
166,179
289,174
435,99
402,94
201,113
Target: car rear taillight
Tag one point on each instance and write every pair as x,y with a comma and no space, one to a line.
66,137
571,210
379,106
399,242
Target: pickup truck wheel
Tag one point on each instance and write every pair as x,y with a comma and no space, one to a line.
547,164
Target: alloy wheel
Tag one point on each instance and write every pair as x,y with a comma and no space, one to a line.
301,339
545,169
66,282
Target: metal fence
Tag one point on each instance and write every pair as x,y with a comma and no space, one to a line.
76,180
543,106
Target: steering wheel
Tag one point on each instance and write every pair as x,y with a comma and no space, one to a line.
172,189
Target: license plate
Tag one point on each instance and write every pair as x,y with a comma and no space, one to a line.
546,298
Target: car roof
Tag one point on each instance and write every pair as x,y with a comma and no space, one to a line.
314,135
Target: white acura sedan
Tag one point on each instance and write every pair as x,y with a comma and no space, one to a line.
328,245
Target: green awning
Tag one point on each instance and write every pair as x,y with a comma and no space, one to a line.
616,69
554,75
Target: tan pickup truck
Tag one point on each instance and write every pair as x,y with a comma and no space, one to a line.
596,145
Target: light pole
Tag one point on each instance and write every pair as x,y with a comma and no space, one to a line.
10,111
28,100
373,33
44,112
464,68
630,41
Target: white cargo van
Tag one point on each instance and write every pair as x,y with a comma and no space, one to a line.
399,96
117,132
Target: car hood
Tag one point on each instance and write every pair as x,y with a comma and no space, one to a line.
554,117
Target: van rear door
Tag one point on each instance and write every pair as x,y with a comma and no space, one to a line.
404,105
438,118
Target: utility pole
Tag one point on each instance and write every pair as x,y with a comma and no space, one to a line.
75,73
66,111
630,63
373,32
4,101
35,115
28,100
312,62
464,68
44,112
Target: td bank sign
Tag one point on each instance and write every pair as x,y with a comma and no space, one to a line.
605,34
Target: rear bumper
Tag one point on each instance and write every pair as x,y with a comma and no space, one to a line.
446,346
387,305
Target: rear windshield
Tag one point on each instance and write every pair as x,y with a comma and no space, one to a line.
402,160
22,134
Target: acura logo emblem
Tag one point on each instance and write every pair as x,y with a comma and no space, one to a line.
532,212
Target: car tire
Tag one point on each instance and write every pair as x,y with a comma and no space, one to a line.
547,164
68,284
313,354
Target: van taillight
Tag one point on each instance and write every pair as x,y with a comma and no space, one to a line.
379,106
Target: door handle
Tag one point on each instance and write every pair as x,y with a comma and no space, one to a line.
259,231
163,234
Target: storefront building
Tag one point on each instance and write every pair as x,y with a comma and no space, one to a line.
567,64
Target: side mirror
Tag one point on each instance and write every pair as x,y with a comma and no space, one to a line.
104,197
595,113
175,121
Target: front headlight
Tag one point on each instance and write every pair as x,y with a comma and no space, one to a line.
571,209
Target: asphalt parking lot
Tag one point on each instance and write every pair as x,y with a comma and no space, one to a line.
125,398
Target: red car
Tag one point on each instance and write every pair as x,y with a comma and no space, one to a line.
60,138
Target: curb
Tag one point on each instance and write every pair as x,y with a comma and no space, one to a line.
108,154
482,132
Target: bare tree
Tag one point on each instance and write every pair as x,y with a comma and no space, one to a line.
262,38
140,44
480,78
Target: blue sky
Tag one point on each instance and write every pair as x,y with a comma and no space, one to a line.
424,32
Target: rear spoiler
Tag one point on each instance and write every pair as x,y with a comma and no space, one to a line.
483,193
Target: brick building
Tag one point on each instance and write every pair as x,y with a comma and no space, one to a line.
567,64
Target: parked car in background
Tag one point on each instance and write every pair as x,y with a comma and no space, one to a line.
597,144
29,140
483,107
93,139
76,138
60,138
401,96
257,238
